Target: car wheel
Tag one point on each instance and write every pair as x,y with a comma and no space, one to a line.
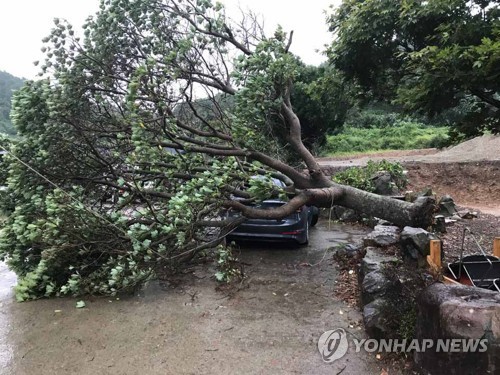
305,241
314,215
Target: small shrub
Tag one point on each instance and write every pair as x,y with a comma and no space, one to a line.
361,177
227,265
408,322
400,312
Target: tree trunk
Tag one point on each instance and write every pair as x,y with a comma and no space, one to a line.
402,213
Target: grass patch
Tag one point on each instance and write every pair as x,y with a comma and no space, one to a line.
401,136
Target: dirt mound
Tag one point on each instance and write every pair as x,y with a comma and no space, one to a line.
473,184
486,147
469,172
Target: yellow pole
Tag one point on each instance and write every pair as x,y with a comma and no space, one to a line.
496,247
436,252
434,258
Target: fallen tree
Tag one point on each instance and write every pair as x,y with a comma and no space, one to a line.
137,138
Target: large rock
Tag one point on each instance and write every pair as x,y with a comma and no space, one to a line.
383,183
346,215
373,260
349,250
415,244
382,236
374,318
375,285
372,276
350,216
459,312
447,206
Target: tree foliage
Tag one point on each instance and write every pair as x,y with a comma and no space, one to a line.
431,56
130,155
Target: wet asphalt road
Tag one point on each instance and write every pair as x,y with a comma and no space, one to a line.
269,326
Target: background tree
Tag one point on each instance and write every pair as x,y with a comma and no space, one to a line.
321,98
430,56
119,173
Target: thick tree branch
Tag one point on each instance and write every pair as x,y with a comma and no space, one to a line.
295,140
486,98
320,197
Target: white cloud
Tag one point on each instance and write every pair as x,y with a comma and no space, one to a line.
24,23
307,19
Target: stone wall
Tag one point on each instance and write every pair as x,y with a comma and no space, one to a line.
442,311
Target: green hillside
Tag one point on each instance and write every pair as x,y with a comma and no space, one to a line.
8,84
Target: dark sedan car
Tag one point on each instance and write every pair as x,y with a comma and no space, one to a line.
294,227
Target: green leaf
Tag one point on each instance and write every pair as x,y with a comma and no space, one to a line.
80,305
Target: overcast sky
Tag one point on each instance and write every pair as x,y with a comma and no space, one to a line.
24,23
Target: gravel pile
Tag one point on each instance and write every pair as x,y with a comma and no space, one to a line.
486,147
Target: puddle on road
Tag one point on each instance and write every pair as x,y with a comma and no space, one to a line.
341,234
324,235
7,281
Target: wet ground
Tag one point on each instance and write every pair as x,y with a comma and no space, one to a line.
269,324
